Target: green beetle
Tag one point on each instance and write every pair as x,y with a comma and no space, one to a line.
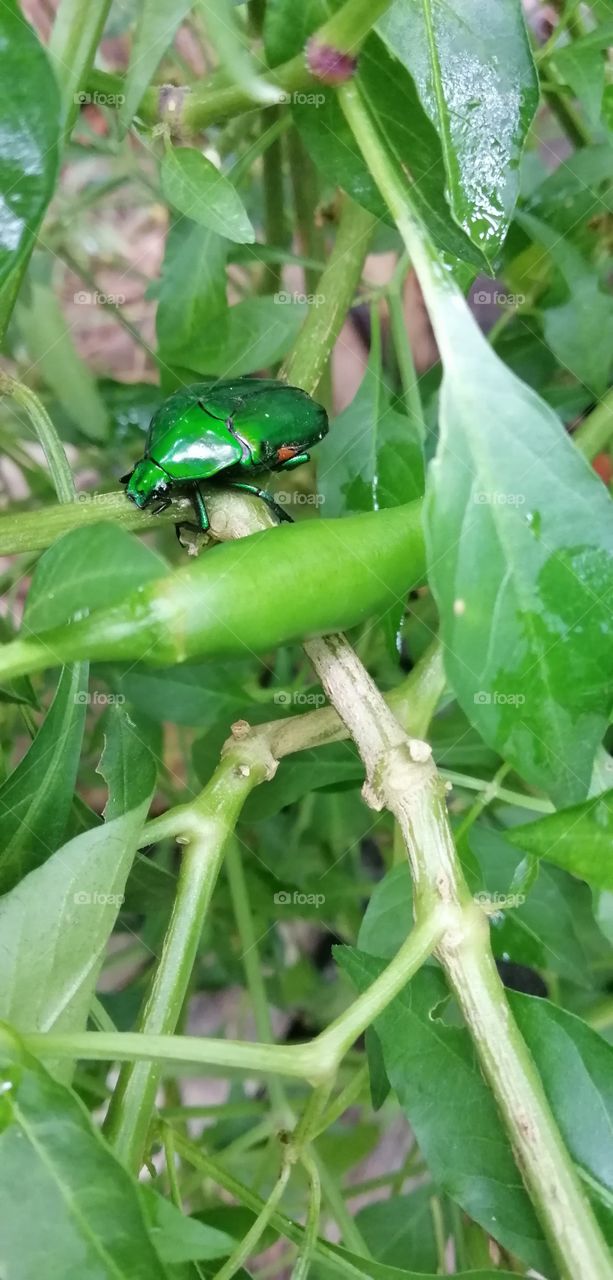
237,428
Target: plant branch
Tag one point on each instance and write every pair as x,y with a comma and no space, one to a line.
229,512
249,1242
251,963
317,1061
337,285
411,789
189,111
204,831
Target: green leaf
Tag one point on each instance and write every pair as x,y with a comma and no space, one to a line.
156,29
377,1075
70,904
581,65
481,103
579,330
88,568
580,839
193,287
325,767
36,798
399,1231
520,533
193,186
578,189
249,336
50,347
372,457
29,154
388,918
179,1238
576,1067
198,695
549,925
434,1070
405,131
67,1206
287,26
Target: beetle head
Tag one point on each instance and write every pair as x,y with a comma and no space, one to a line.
147,482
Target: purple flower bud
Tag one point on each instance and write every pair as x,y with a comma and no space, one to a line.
329,64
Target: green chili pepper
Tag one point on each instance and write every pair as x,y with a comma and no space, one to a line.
291,582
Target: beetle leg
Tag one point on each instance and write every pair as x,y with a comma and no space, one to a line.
201,511
266,497
161,506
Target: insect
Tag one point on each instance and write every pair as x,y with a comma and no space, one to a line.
231,429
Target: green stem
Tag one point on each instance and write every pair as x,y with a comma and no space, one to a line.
168,1140
206,826
317,1061
537,804
304,1259
27,531
248,1244
305,191
75,37
337,285
406,364
345,1099
192,111
251,962
350,1233
347,28
212,1169
487,796
275,230
422,940
596,431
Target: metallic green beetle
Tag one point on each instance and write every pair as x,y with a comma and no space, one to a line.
236,428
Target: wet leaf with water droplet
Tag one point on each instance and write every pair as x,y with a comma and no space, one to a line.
475,77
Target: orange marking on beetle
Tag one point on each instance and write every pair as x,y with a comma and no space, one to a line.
286,451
